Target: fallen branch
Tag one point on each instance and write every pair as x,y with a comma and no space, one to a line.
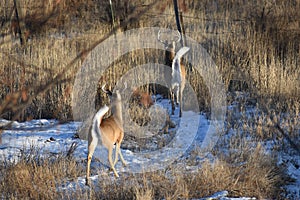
287,137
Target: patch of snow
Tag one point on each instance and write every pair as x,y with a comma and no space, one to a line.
222,195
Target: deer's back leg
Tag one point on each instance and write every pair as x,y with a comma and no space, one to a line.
110,149
91,149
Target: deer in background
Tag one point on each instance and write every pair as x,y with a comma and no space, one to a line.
178,75
109,130
144,98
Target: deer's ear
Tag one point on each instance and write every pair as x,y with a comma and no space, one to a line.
108,92
135,90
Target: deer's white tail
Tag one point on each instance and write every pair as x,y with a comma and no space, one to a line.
181,52
94,135
97,121
178,76
176,69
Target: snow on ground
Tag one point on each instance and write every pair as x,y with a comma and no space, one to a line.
38,133
53,137
293,167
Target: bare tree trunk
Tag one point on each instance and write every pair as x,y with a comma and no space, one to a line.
177,19
18,22
182,29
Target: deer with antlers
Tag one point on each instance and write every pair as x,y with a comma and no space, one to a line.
178,75
109,130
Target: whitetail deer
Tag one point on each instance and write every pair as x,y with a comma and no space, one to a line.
178,75
14,28
143,98
110,130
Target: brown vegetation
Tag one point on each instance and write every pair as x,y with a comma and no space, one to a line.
35,176
253,43
249,173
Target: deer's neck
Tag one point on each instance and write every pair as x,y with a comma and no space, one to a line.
169,57
170,54
117,113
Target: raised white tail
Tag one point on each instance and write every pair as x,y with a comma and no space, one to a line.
181,52
176,69
95,130
178,77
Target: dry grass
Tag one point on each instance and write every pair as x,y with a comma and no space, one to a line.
253,42
243,171
37,176
257,176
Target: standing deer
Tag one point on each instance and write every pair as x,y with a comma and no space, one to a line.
178,75
110,130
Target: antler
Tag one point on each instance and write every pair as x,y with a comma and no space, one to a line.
165,42
158,38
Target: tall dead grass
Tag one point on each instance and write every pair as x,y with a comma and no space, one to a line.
37,176
251,173
256,42
244,169
253,42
